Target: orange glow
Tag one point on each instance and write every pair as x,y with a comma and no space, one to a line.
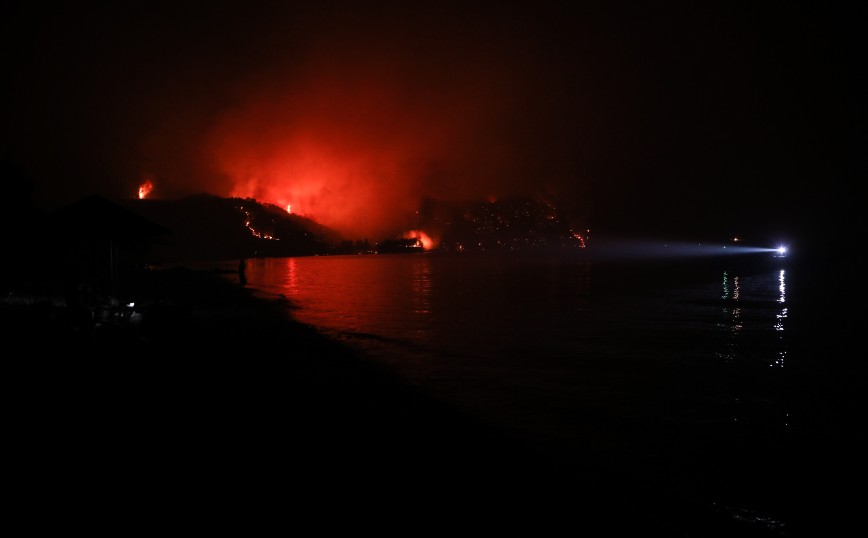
260,235
421,237
581,239
356,148
145,189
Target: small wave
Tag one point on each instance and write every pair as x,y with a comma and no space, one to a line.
751,517
370,336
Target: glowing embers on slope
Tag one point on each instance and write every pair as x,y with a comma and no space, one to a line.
580,238
260,235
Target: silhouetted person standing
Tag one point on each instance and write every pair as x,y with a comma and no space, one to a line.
242,275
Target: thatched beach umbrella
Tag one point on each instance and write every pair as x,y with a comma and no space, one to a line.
96,233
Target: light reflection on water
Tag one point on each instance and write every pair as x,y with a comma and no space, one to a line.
541,345
767,293
448,317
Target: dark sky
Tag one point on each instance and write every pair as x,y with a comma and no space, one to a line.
678,117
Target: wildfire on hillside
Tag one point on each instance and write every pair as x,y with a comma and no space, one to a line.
256,233
145,189
422,239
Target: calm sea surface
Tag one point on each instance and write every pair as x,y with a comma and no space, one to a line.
671,375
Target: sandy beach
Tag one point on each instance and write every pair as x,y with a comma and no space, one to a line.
215,406
215,409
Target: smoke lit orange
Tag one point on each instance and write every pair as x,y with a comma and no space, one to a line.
421,237
145,189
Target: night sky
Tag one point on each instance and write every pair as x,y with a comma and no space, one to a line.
681,117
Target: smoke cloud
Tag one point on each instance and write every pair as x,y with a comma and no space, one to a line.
351,113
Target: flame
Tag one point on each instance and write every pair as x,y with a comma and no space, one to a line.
289,208
580,239
355,147
145,189
421,238
256,233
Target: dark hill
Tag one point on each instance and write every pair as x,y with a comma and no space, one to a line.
207,227
519,224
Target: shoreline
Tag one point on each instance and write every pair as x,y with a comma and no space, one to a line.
219,391
217,388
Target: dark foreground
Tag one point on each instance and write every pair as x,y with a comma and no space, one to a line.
215,411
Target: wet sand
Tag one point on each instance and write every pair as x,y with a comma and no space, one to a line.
215,410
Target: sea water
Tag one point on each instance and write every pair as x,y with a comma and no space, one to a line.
671,377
